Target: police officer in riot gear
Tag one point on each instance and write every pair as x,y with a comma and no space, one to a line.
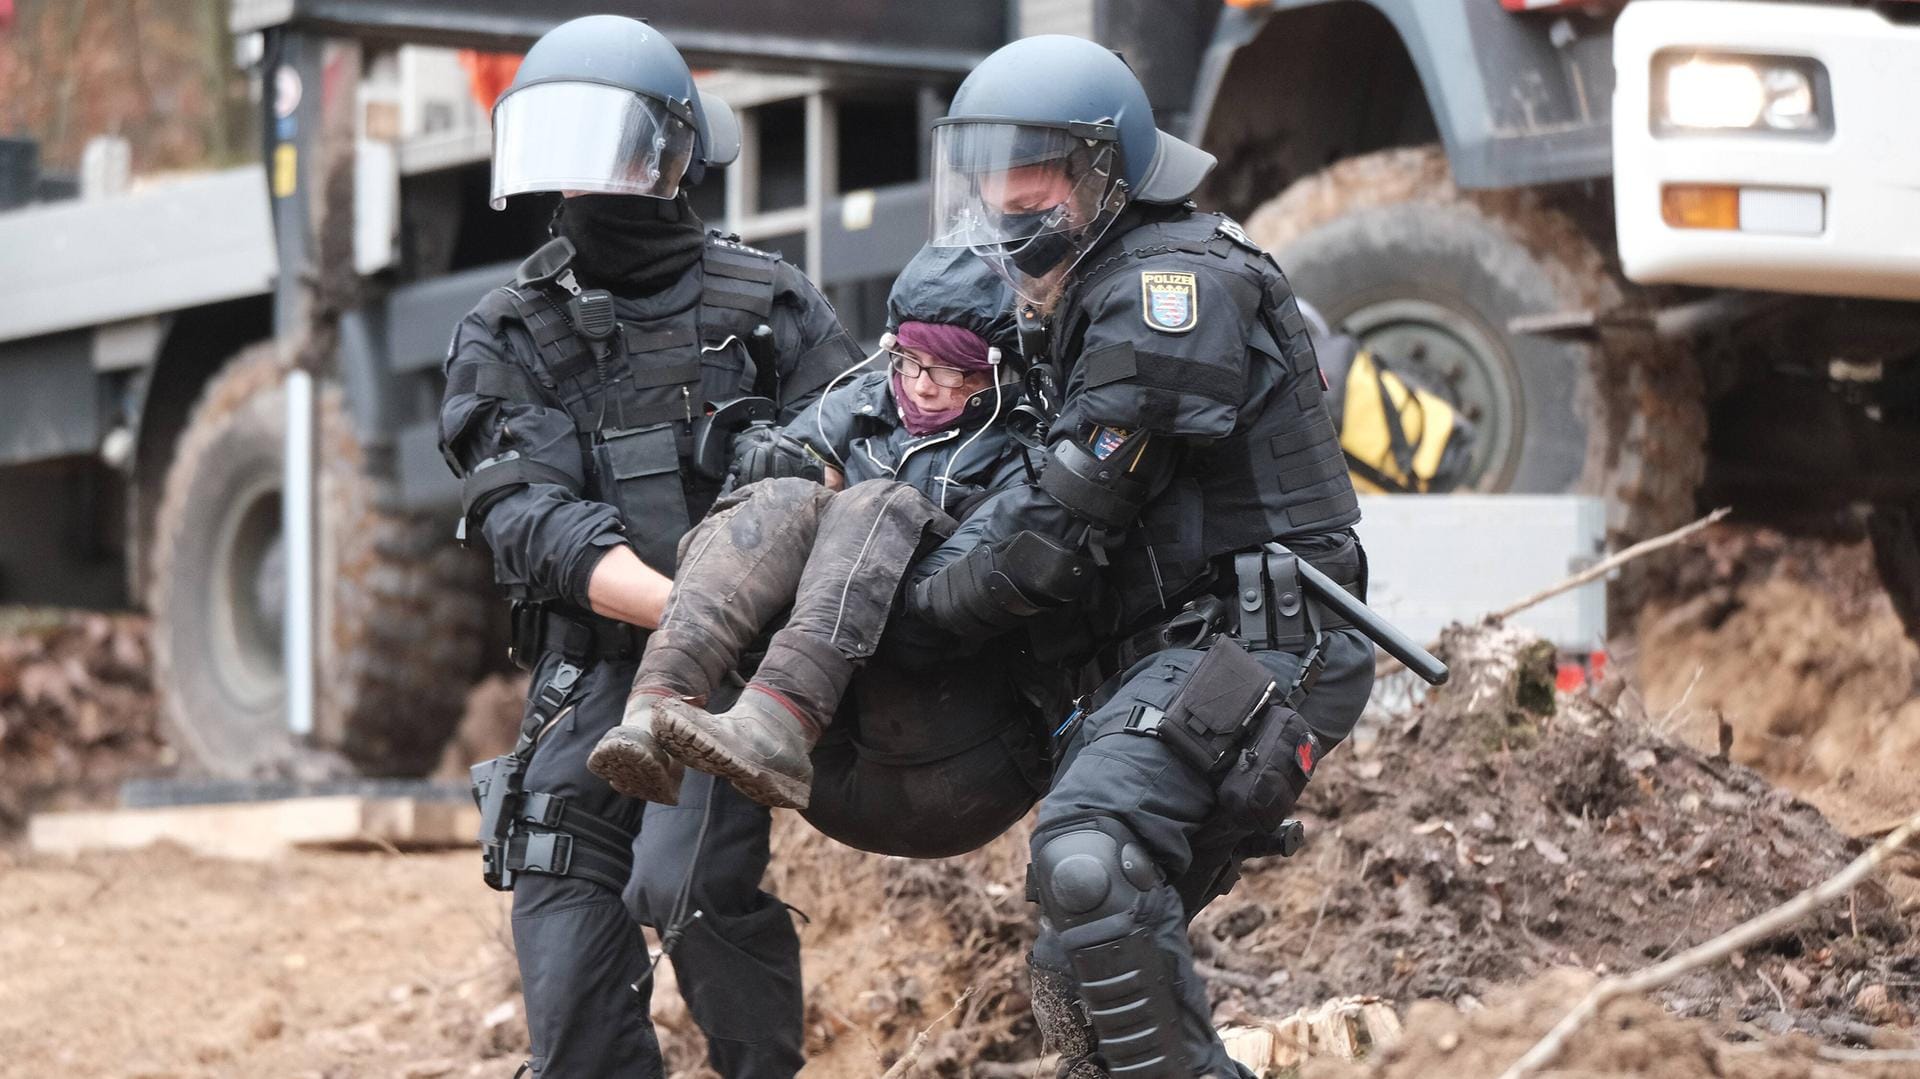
574,398
1190,444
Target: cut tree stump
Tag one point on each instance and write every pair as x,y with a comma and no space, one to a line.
261,829
1346,1028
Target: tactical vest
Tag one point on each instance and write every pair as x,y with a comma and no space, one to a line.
635,398
1279,474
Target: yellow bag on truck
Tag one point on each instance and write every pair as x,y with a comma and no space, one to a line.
1398,438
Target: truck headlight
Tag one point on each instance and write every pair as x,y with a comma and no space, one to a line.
1697,92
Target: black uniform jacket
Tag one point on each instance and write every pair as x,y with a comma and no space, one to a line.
546,535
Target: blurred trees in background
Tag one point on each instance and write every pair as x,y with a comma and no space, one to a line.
159,73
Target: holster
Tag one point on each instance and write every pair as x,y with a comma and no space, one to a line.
523,831
497,791
498,784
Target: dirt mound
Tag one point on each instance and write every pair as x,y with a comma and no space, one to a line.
77,711
1630,1038
892,943
1502,830
1794,644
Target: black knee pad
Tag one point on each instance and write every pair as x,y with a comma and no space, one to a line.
1090,870
1091,877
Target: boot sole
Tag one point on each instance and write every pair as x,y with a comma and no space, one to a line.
629,768
698,750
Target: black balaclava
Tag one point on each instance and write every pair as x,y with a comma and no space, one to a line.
630,244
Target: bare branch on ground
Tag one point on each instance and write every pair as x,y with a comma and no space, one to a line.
1739,937
1612,562
905,1064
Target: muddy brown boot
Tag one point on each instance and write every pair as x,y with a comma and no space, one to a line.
738,569
761,744
631,760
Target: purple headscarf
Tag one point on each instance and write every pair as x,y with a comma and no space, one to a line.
951,346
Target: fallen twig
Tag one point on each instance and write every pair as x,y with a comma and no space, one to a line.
1009,1069
905,1063
1612,562
1746,933
1869,1056
1387,664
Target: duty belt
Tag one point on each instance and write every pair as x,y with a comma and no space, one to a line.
539,628
1202,620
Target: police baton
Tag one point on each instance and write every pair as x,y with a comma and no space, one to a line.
1379,630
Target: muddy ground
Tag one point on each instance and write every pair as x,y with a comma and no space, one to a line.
1485,842
1793,644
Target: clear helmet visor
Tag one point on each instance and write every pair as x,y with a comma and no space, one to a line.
1029,200
580,136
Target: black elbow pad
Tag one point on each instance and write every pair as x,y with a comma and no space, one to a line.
1104,491
992,588
495,476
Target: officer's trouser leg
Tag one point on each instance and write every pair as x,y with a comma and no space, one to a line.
738,963
579,949
580,955
1115,826
1128,848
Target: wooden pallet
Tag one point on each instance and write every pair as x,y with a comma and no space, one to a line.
261,829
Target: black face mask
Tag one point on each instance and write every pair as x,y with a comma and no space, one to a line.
1041,254
629,243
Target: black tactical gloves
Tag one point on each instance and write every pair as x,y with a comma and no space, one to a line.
761,452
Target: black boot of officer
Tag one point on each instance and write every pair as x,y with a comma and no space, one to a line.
1191,435
571,397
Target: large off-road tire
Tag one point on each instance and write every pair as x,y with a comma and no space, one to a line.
1430,276
401,609
1894,529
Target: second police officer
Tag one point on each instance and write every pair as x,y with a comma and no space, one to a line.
574,398
1190,435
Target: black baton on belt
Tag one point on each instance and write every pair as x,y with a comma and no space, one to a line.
1379,630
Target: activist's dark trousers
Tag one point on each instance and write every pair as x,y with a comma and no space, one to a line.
929,754
580,947
1108,772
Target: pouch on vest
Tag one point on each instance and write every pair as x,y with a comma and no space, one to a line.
1209,718
642,467
1265,780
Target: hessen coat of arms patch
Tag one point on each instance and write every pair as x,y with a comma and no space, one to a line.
1169,301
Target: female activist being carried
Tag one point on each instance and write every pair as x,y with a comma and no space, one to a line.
893,736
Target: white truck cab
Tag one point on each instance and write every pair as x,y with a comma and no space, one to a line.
1772,146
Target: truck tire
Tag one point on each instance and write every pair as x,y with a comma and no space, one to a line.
1430,277
402,609
1894,529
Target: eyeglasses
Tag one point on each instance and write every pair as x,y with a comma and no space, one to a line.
951,378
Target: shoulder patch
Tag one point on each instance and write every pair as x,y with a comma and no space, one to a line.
1170,300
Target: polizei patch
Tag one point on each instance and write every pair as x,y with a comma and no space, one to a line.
1170,302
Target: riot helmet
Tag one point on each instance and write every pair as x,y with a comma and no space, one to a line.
606,104
1046,142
